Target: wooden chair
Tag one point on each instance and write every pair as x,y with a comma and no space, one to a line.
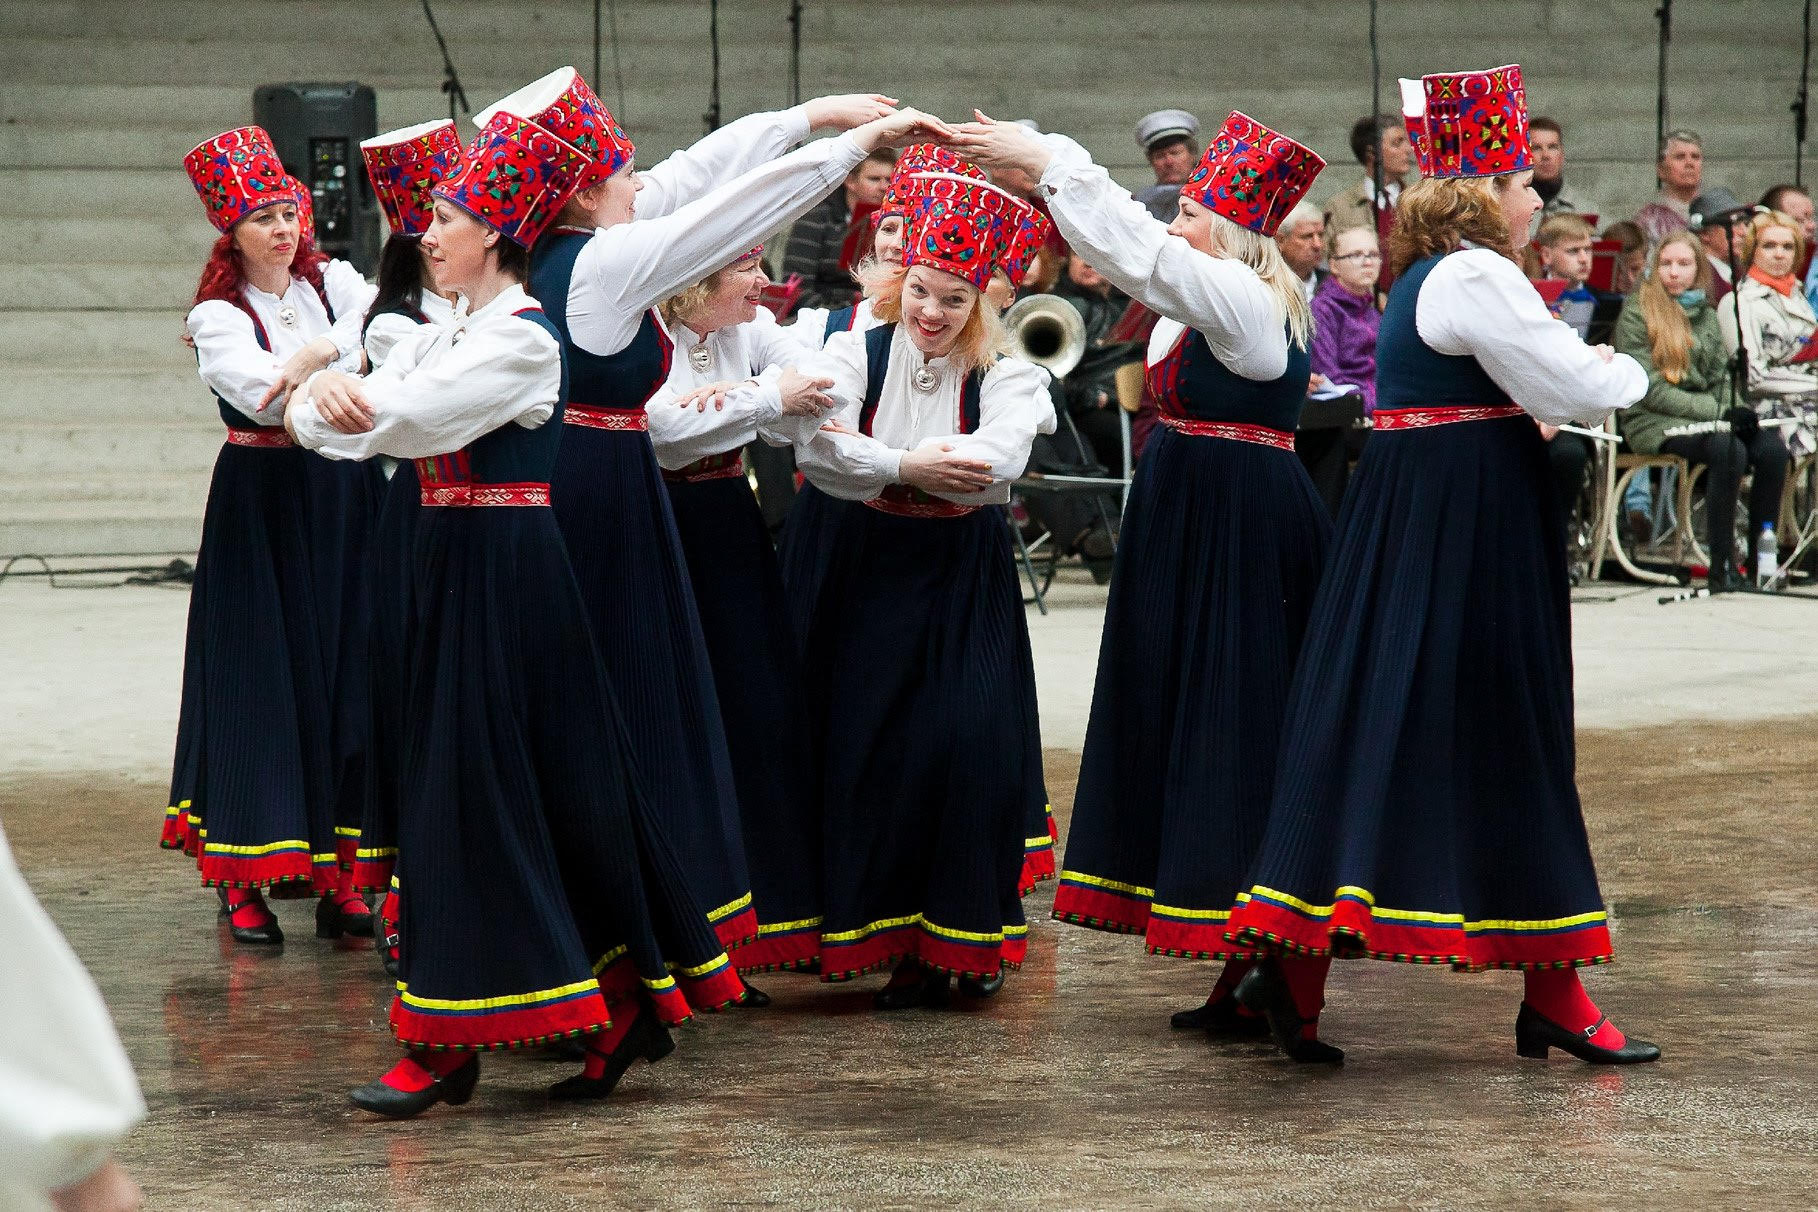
1617,468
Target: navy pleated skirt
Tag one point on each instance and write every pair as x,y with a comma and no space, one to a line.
536,885
253,790
732,567
389,631
344,501
811,534
614,511
1425,808
1220,554
920,681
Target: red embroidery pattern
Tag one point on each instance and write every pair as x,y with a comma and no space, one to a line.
606,418
907,502
727,465
477,495
1422,418
1259,434
272,438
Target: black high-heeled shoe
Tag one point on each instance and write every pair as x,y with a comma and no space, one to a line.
1535,1033
753,998
267,934
647,1038
332,921
1264,991
988,986
1221,1017
453,1088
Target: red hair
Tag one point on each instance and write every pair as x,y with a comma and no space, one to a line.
225,273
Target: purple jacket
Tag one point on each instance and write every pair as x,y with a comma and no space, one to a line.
1344,338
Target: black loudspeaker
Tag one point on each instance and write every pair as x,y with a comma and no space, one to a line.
317,129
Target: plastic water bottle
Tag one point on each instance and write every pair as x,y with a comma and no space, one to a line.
1767,556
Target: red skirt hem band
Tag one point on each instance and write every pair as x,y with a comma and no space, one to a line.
1352,929
1115,913
843,961
780,951
738,930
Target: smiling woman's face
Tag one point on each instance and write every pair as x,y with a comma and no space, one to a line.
936,305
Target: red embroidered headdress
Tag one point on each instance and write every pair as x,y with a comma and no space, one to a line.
237,173
962,225
516,179
1251,175
404,165
1469,124
904,192
562,104
1029,231
306,209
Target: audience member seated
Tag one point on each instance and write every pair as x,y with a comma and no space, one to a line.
1343,356
1546,143
1670,326
816,239
1680,170
1167,139
1302,240
1562,253
1793,202
1777,326
1360,205
1091,387
1719,220
1631,258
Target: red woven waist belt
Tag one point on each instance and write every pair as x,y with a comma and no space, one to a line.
907,502
607,418
1261,435
472,496
727,465
1422,418
271,438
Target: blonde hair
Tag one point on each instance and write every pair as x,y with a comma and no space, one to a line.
1669,330
1437,214
1558,228
690,299
1745,255
1262,254
981,338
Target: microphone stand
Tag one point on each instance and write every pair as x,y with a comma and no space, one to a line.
1664,15
1798,107
712,116
451,79
795,49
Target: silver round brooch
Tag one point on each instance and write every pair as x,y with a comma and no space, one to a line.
287,316
924,379
700,358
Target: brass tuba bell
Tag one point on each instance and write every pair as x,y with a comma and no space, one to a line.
1046,330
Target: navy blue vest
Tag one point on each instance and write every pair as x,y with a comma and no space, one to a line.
510,454
1191,382
839,321
620,382
1412,374
877,365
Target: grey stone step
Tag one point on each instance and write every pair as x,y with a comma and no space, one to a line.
120,451
179,240
104,287
65,524
61,340
162,391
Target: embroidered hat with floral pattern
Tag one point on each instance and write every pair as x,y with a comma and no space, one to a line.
1471,124
1252,175
562,104
516,179
306,210
236,173
901,196
404,165
1029,231
960,224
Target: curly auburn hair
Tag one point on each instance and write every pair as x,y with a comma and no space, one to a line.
1437,214
225,272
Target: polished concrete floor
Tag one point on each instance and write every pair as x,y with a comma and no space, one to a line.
1068,1090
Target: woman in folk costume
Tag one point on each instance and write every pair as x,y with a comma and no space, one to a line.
539,899
735,382
1221,549
260,795
1425,809
810,532
919,677
600,273
403,165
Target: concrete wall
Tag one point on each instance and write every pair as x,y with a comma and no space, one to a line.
106,437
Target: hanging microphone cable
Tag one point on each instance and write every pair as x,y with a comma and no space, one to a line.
1805,71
